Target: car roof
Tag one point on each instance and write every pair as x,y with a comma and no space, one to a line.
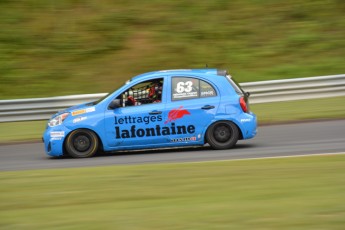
175,72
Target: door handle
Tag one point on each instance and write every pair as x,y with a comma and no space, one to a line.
206,107
155,112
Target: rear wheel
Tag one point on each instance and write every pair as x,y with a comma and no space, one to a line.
82,143
222,135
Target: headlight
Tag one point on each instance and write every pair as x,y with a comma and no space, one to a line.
57,120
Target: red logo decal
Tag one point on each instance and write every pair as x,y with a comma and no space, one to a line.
175,114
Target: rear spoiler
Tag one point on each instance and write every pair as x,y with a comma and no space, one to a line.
222,72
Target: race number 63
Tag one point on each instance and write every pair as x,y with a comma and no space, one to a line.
184,87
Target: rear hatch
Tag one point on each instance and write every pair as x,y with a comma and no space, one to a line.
244,100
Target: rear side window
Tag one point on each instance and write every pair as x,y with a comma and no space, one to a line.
206,90
184,88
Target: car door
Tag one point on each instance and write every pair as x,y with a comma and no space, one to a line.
192,105
139,121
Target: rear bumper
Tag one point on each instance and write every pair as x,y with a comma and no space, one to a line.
249,125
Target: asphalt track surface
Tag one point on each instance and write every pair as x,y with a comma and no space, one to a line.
272,141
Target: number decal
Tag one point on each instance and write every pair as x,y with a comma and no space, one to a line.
180,87
184,87
189,86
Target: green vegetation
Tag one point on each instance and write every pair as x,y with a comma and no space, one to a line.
301,110
290,193
268,113
21,131
62,47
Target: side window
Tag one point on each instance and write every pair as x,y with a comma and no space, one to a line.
206,90
146,92
188,88
184,88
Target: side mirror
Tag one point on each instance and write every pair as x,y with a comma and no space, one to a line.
247,94
114,104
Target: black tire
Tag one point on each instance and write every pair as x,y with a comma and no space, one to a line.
82,143
222,135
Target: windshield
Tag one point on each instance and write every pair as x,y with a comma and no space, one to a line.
104,97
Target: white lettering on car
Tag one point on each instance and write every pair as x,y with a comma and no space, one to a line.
79,119
57,134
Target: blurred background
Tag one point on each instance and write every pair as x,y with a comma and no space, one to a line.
67,47
62,47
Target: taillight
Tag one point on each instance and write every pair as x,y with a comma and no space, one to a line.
243,105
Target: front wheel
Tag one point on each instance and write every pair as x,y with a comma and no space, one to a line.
82,143
222,135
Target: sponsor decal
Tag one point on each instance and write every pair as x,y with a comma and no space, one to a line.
79,119
82,111
57,134
152,130
207,93
134,120
183,139
175,114
56,139
157,130
245,120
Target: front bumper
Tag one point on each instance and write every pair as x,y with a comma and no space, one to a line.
53,139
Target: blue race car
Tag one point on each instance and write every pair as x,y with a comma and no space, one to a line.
171,108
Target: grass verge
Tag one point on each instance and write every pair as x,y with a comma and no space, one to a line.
268,113
289,193
302,110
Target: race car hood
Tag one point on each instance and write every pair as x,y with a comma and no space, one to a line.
75,108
